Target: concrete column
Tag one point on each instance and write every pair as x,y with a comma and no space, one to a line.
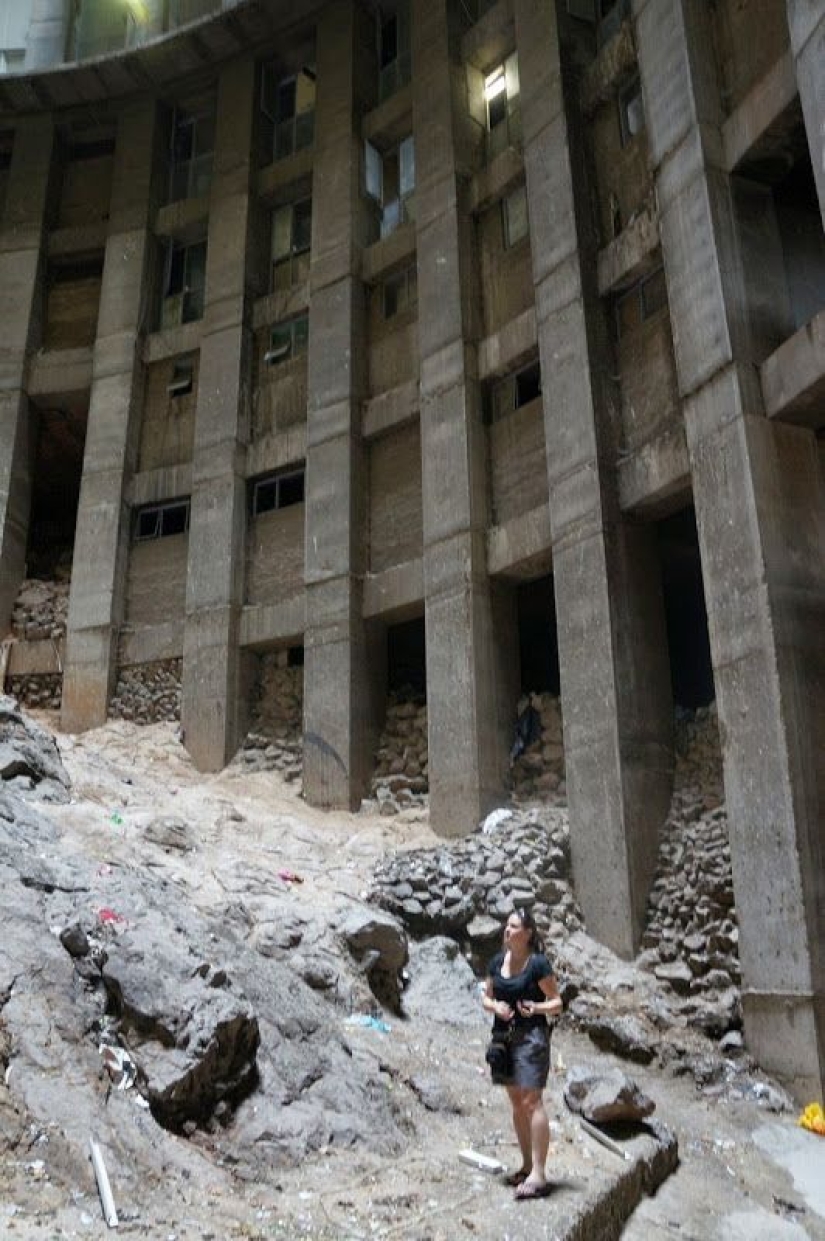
21,249
760,507
340,693
806,21
211,666
102,530
615,677
467,757
48,34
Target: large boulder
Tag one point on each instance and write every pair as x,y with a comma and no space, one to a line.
604,1098
30,761
442,984
378,945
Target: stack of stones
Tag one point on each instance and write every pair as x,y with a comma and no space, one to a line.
148,693
401,776
41,609
275,740
691,937
519,858
538,773
43,691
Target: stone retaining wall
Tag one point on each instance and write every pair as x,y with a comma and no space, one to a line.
41,608
538,773
275,739
41,691
148,693
401,776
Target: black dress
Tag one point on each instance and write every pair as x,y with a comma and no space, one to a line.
530,1038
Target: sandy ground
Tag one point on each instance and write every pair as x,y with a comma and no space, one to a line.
730,1183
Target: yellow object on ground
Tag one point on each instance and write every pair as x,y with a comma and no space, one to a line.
813,1118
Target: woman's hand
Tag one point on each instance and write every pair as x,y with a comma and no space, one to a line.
503,1010
528,1008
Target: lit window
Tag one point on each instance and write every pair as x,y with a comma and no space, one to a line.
160,521
514,216
277,491
287,340
631,111
501,97
400,292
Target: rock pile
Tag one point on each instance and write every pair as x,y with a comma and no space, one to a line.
401,776
275,740
538,772
148,693
41,608
38,691
466,890
691,936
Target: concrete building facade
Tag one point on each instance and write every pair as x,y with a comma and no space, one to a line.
466,337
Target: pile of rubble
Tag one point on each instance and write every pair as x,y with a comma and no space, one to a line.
41,608
538,771
148,693
691,937
37,691
275,739
401,776
466,890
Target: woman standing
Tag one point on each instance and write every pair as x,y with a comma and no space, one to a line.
521,992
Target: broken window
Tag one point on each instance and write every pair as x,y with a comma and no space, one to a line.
514,216
291,238
501,96
193,142
183,284
631,111
390,182
287,340
394,50
277,491
159,521
290,105
514,390
399,292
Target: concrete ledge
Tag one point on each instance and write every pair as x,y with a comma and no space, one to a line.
491,38
390,252
630,255
390,121
793,378
77,241
655,477
171,341
283,304
522,547
395,592
148,643
502,351
38,658
493,182
185,220
59,372
266,624
277,450
152,486
286,179
615,63
390,409
751,129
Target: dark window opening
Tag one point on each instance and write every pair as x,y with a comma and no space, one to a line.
640,302
70,273
96,148
691,669
160,521
287,340
514,216
182,379
277,491
631,111
295,657
394,61
184,284
407,660
193,143
400,292
60,440
538,640
513,391
528,385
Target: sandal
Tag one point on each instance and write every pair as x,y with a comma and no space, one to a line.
526,1190
516,1178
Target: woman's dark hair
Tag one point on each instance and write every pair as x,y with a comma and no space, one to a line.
529,923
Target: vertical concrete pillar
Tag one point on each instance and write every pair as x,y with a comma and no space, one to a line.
21,249
806,22
615,677
760,507
339,692
211,664
48,34
467,760
102,529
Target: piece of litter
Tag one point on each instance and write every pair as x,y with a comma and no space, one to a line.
119,1065
371,1023
106,915
116,819
494,819
107,1200
595,1132
484,1162
289,876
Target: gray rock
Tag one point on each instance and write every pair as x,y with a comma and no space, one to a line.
440,978
626,1036
603,1098
170,833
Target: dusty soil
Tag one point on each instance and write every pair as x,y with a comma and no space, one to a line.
253,823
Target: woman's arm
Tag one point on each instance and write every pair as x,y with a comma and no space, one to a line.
549,1007
499,1008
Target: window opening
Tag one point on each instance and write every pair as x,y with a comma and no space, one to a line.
631,111
290,105
277,491
193,142
390,182
287,340
394,51
501,96
514,390
400,292
514,216
640,302
184,284
182,378
159,521
291,238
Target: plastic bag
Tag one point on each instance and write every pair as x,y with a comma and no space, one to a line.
813,1118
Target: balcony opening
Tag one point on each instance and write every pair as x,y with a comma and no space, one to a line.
390,184
291,240
401,776
193,145
289,105
394,59
274,742
184,284
537,752
501,98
